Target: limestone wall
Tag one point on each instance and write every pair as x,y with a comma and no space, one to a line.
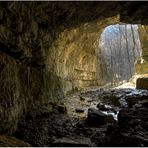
142,64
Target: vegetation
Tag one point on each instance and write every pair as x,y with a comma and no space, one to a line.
120,48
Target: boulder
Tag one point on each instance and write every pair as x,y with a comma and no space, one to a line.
132,100
109,119
134,126
72,142
79,110
137,105
85,98
110,97
142,83
82,98
144,103
108,108
103,107
61,109
96,117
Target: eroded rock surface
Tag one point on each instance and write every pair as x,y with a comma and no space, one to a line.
117,125
131,130
142,83
9,141
96,117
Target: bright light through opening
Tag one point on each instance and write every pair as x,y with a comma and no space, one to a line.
119,50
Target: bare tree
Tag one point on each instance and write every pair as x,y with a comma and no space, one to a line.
134,43
117,45
127,49
120,47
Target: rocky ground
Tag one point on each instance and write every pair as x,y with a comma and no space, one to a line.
96,117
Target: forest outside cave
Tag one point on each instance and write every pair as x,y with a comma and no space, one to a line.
119,49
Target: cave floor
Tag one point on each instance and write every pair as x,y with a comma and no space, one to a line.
94,117
77,104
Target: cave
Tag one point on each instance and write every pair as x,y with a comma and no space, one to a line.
52,75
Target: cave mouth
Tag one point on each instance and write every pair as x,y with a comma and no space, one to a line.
119,50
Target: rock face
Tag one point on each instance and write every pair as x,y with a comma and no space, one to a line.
59,41
97,118
72,142
134,120
79,110
142,83
9,141
142,64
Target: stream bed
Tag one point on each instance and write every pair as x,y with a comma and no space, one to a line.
101,117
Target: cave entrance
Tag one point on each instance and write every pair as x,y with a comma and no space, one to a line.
119,49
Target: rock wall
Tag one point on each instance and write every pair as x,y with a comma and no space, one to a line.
22,86
55,44
142,64
77,51
75,62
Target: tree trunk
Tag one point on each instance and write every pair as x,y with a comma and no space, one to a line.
112,71
120,47
127,49
134,42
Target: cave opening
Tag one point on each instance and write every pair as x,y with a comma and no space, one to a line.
119,50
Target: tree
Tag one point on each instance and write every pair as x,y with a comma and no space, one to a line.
127,49
117,43
134,43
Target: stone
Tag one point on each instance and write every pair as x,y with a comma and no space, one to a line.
132,100
103,107
67,87
134,119
131,129
72,142
123,102
82,98
144,103
110,97
142,64
34,27
62,109
138,105
79,110
109,119
9,141
101,89
95,117
142,83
